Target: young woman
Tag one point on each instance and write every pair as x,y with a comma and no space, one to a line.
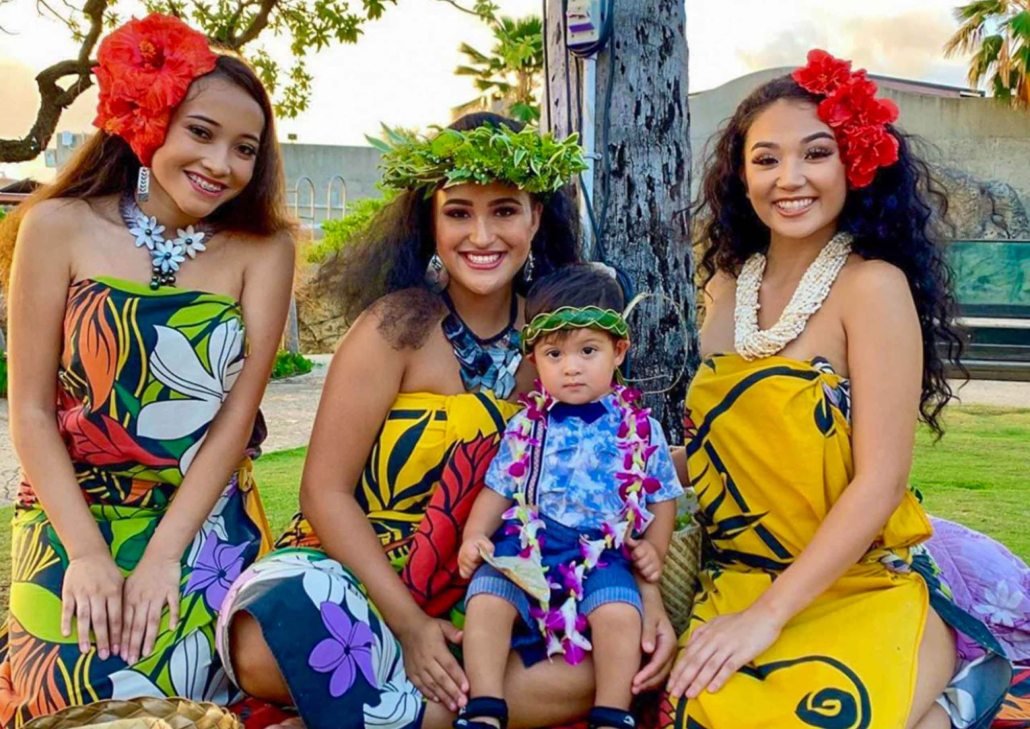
356,619
147,296
829,309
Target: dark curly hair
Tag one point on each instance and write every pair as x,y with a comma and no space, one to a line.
392,255
895,219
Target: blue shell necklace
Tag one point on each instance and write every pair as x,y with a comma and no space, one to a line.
489,364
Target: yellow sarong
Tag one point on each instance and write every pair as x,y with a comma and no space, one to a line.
769,453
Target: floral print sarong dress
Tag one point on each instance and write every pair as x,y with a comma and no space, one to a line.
142,375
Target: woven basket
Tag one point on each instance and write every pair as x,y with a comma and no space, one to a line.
144,713
679,575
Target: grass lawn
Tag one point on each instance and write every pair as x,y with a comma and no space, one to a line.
979,475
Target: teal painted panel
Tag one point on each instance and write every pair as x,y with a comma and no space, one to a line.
993,273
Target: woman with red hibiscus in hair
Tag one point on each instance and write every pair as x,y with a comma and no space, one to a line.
829,309
148,291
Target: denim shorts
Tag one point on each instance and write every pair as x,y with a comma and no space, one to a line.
612,582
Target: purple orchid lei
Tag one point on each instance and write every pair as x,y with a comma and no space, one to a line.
563,626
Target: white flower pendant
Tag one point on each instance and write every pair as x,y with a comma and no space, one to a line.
166,255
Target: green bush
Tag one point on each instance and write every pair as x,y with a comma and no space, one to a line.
3,372
341,231
288,365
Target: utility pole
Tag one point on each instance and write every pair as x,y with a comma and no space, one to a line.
629,102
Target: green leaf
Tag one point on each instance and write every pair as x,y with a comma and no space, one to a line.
38,611
445,144
393,136
131,537
378,144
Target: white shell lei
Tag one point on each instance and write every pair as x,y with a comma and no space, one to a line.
753,343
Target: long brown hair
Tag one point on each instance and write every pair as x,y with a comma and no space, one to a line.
106,165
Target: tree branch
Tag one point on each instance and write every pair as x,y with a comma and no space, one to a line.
258,24
53,99
459,7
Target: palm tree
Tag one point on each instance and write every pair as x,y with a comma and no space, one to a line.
997,34
507,78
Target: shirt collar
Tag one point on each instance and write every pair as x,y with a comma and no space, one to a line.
588,412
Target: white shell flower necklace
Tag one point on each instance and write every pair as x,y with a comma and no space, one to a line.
753,343
166,254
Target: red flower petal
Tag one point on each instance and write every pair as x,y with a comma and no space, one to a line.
823,74
144,71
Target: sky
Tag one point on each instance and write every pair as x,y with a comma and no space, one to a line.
401,72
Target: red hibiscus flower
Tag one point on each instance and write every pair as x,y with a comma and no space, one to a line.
143,131
855,105
145,68
823,74
868,149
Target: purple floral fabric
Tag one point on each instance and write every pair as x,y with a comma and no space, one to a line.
347,650
217,566
987,580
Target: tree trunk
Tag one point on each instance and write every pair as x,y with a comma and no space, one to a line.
645,224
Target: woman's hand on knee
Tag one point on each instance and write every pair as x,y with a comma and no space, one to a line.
92,594
431,666
153,584
719,649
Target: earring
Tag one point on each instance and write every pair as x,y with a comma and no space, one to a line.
143,184
527,269
436,276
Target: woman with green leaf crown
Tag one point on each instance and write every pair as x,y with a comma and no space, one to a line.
356,620
148,291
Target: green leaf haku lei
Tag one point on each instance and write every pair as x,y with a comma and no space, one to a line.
572,317
538,164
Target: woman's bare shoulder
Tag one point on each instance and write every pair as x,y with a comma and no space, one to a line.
57,215
862,278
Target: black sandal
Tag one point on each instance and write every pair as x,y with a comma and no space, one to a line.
480,707
603,716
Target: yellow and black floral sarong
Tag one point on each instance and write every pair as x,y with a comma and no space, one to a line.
769,453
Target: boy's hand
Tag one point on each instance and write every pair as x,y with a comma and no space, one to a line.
469,556
645,559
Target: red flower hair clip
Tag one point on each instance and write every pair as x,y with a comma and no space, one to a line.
859,120
145,68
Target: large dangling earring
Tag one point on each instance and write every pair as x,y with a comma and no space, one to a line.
437,277
143,184
527,269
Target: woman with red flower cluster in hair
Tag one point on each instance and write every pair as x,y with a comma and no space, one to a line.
148,292
827,315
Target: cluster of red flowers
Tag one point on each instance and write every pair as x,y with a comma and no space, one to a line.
859,120
145,68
